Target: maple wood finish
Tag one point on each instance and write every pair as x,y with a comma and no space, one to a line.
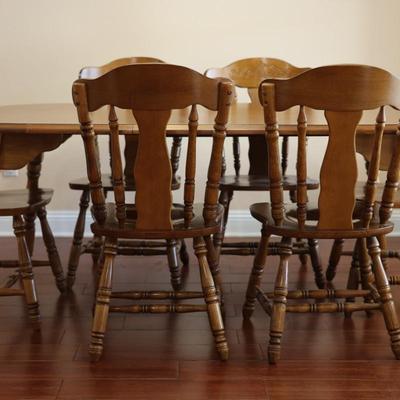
352,89
93,246
248,73
151,91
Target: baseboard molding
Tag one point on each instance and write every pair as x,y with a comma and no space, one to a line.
240,224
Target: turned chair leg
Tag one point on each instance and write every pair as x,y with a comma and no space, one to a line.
172,255
255,276
102,301
383,246
183,254
316,263
225,199
300,242
30,231
279,304
79,230
97,243
26,272
387,304
52,252
211,299
334,259
212,259
366,276
353,280
302,257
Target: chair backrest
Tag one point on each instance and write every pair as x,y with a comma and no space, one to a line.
343,92
248,73
130,149
95,72
152,91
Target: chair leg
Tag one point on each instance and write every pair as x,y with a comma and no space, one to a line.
52,252
255,276
211,299
102,301
279,307
225,199
334,259
214,267
175,273
79,230
302,257
26,272
97,243
316,263
183,254
30,231
367,278
383,246
353,281
387,303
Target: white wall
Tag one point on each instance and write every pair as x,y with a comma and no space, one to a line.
45,43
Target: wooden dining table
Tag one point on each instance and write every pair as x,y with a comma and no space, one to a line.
29,130
245,119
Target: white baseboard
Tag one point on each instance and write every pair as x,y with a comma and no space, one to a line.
240,224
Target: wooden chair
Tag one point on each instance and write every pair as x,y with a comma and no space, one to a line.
248,73
364,146
343,91
126,247
151,91
16,151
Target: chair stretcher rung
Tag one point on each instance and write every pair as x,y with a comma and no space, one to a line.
140,243
15,263
11,292
394,279
331,307
159,308
323,294
242,250
154,295
384,253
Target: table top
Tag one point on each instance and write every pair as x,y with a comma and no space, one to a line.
245,119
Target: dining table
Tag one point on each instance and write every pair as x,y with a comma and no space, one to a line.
28,130
245,119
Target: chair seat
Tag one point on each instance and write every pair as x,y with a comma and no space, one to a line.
289,228
197,227
360,193
83,183
18,202
261,183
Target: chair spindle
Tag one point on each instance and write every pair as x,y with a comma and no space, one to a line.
190,173
274,167
302,168
116,166
373,171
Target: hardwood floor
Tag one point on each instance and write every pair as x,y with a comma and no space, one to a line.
173,357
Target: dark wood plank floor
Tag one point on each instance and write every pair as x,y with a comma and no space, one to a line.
172,356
